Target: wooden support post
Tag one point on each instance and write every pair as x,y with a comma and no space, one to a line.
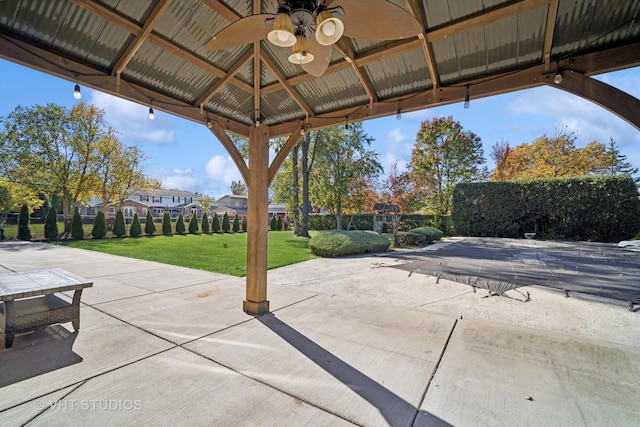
257,215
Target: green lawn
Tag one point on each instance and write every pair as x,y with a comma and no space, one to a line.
219,253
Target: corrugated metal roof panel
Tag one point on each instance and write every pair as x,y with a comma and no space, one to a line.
439,12
400,74
233,103
278,106
532,26
136,10
333,91
44,15
111,43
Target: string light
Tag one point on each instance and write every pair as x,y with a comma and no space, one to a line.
209,124
466,99
399,113
76,89
151,115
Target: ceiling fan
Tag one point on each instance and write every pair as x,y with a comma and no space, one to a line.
311,28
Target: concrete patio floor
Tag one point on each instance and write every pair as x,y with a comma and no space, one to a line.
348,342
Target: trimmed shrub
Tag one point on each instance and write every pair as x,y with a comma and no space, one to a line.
24,232
77,232
274,223
193,224
407,238
99,230
149,226
180,224
278,223
431,234
215,224
244,223
135,230
166,224
205,223
119,227
236,223
226,226
51,225
334,243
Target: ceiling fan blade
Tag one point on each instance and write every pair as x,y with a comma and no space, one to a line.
322,57
377,20
243,31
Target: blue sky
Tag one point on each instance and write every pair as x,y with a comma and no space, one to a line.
186,155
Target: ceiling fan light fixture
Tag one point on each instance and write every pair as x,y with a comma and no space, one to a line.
300,54
282,33
329,28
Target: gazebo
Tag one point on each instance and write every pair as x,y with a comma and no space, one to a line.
228,65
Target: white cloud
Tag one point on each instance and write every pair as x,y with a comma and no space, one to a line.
222,169
396,147
132,120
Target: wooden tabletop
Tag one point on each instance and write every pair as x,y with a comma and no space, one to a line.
39,282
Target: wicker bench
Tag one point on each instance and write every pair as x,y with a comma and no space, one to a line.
31,301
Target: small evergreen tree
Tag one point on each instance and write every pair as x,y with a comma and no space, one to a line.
51,225
77,231
244,223
226,226
215,224
180,224
166,224
24,232
119,227
135,230
193,224
205,223
99,230
274,223
149,226
236,224
278,223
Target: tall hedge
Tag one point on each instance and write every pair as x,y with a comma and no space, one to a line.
99,230
119,227
24,232
603,208
278,223
226,226
236,223
273,224
215,223
180,224
205,223
77,231
166,224
135,230
193,224
149,226
51,224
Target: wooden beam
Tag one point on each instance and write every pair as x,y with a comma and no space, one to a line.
223,10
552,15
285,85
256,83
157,12
413,7
344,47
231,148
224,80
292,141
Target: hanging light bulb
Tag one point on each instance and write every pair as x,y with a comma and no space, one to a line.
466,99
76,89
151,115
399,113
209,124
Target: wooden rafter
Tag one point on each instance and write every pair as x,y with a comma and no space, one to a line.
222,9
157,12
283,81
241,62
552,14
414,9
344,47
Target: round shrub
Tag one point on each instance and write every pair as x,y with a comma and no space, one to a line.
99,230
119,227
335,243
431,234
407,238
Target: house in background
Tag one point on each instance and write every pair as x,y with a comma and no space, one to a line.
158,201
231,204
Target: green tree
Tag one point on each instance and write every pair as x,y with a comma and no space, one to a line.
77,230
244,224
226,226
51,224
5,206
99,230
119,227
343,164
615,163
205,223
238,188
135,230
180,224
215,223
166,224
273,223
443,156
24,232
193,224
236,224
149,226
278,223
